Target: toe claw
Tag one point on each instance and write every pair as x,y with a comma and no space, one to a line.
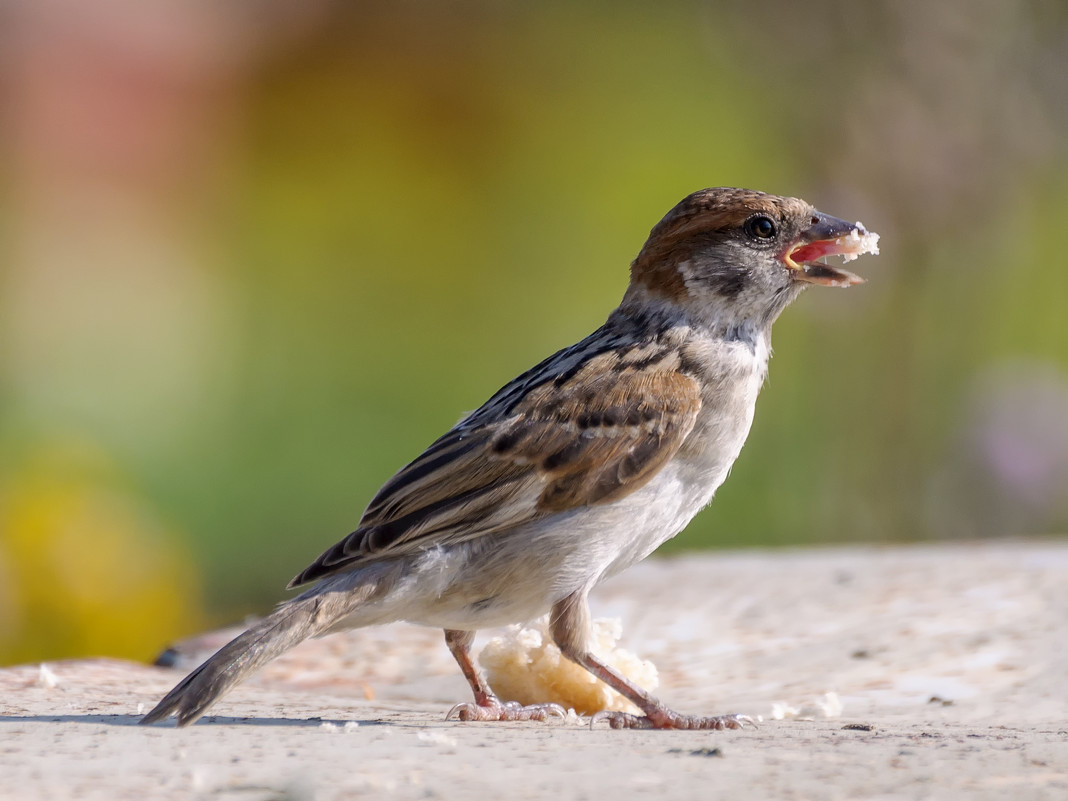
466,711
456,710
555,710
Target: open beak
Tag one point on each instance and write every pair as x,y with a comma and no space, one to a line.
828,236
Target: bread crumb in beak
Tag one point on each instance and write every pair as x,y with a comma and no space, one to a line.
859,243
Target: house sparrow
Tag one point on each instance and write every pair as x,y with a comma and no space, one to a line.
576,469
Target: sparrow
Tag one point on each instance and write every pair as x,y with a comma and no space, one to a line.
576,469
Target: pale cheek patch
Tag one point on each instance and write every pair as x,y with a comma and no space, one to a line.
685,269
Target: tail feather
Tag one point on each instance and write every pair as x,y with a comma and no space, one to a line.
305,616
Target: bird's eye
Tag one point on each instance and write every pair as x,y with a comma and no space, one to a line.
760,227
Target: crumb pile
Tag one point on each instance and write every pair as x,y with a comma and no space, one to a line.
525,665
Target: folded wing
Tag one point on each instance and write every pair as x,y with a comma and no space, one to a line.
590,436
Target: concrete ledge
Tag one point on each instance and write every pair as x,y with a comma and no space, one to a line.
950,663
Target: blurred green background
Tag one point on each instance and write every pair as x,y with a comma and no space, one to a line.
256,255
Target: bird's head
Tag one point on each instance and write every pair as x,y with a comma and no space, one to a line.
741,256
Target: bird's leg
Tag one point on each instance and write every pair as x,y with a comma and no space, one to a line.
570,625
488,706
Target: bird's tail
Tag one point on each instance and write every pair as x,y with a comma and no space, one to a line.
308,615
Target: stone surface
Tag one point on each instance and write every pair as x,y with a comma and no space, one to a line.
947,665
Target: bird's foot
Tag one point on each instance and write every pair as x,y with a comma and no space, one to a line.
494,709
662,718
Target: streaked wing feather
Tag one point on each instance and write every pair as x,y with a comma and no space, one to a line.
593,438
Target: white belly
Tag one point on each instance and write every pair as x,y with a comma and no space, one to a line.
517,577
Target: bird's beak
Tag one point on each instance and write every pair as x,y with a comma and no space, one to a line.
828,236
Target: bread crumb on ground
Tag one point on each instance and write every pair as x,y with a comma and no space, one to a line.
525,665
46,677
829,705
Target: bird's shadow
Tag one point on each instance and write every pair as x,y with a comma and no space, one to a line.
214,720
